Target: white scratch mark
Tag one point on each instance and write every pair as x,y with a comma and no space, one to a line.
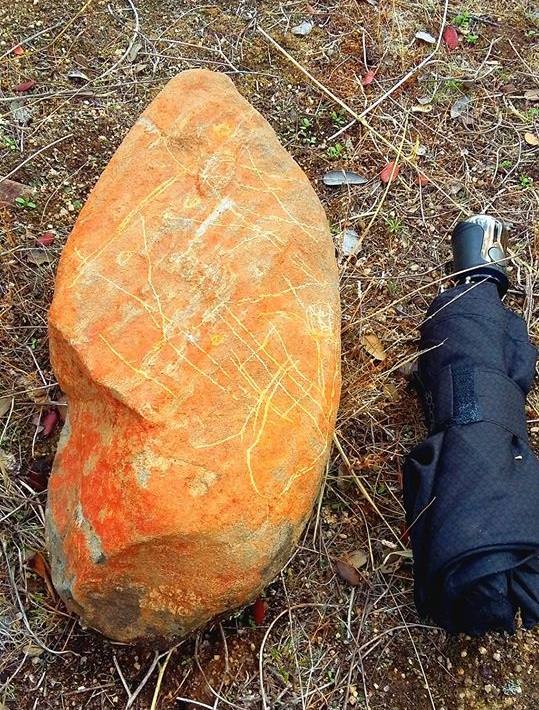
225,204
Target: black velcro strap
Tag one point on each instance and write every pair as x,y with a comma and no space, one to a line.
465,395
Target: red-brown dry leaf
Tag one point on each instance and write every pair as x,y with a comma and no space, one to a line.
390,172
18,50
347,572
259,610
368,78
40,566
46,239
451,37
422,180
38,480
48,422
25,86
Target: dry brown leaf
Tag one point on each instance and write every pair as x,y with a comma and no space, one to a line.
373,345
422,108
33,388
532,94
531,139
41,567
39,256
347,572
5,405
357,558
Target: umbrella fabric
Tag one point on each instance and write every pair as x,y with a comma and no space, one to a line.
471,489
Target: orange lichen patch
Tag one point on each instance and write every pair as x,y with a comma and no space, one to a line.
195,331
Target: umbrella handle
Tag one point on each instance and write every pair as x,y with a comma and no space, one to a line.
478,246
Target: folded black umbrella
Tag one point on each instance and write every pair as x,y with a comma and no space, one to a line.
471,489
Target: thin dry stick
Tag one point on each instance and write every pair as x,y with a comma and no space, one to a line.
121,675
419,289
384,195
26,40
162,669
279,616
34,155
412,71
360,119
365,492
71,21
143,682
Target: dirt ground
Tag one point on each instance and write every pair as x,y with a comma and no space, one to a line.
461,125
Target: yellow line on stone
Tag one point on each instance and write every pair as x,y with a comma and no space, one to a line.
122,226
142,373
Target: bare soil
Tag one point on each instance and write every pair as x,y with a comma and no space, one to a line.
96,65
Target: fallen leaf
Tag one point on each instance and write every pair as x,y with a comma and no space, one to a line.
48,422
422,108
373,345
350,239
531,139
134,51
408,369
32,651
39,256
303,29
451,37
425,37
8,463
33,387
460,106
46,239
10,190
532,94
259,610
5,405
25,86
18,51
508,89
40,566
368,78
335,178
456,187
422,180
390,172
357,558
22,115
77,75
347,572
406,554
391,392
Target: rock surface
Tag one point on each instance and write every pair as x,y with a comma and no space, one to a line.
195,331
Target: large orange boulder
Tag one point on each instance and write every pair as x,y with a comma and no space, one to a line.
195,331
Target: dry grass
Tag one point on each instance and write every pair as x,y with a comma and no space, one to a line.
323,644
